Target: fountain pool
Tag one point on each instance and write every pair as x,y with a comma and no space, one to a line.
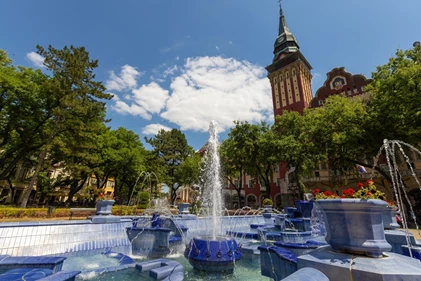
245,270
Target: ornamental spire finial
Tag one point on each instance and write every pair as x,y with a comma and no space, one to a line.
283,26
281,13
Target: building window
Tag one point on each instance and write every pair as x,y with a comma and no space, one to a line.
317,174
236,183
320,102
110,183
355,90
251,184
93,181
278,182
275,169
409,165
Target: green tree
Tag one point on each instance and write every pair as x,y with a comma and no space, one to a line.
124,159
234,158
79,151
76,99
338,131
23,114
257,141
396,97
295,145
171,149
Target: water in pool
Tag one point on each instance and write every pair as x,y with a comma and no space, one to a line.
245,270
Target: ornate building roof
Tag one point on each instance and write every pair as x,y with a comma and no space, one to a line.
339,81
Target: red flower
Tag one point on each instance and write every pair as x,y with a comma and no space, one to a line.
316,191
368,193
370,182
349,192
360,185
327,193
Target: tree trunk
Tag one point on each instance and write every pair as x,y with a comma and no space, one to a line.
12,190
174,194
37,170
75,189
266,181
239,198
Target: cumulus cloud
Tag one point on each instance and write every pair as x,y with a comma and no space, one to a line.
205,89
126,79
223,89
144,101
36,59
153,129
132,109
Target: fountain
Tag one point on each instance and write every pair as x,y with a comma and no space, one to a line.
214,252
158,235
371,261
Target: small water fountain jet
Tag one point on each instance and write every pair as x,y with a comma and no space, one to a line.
392,149
214,252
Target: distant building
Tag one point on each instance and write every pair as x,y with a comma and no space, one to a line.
340,82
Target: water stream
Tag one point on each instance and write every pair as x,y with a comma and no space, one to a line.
212,181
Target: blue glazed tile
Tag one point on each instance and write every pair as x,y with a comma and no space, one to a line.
62,276
27,274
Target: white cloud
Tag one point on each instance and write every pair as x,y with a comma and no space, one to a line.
151,97
170,71
217,48
153,129
36,59
145,101
205,89
177,58
223,89
230,42
132,109
126,79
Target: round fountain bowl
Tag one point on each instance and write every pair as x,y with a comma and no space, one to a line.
213,255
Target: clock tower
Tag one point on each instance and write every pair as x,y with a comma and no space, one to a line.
289,73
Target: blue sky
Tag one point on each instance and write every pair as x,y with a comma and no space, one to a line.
181,63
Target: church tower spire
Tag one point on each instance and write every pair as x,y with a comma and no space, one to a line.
285,42
283,26
289,73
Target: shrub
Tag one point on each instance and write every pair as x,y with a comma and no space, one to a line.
267,202
143,200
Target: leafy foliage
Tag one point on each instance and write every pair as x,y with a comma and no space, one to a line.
171,150
396,98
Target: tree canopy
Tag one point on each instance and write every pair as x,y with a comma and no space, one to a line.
177,158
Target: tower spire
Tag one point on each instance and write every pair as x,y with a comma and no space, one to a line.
283,26
285,42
